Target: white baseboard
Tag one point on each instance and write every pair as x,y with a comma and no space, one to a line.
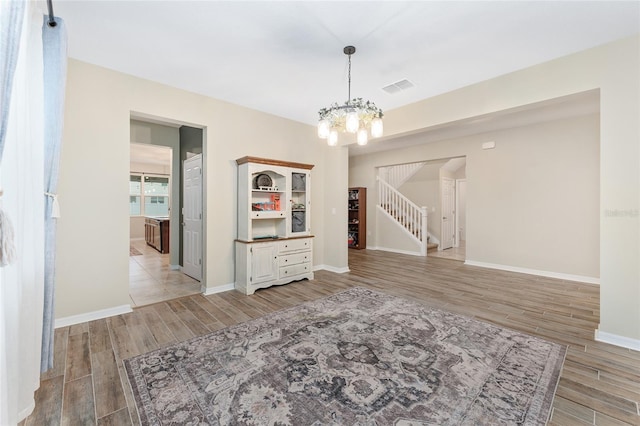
219,289
91,316
331,269
557,275
175,267
412,253
625,342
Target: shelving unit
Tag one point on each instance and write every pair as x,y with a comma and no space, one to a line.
274,244
357,224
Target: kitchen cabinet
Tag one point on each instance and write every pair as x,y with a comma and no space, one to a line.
156,233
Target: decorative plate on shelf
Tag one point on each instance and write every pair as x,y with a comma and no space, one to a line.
263,180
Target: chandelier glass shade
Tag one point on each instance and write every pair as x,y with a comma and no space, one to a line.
354,116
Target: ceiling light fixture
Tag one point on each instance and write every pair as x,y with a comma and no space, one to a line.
354,116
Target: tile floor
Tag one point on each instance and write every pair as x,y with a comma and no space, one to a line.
151,279
455,253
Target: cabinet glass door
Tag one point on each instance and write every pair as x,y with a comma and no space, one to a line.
298,202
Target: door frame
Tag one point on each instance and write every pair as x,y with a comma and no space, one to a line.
456,240
454,217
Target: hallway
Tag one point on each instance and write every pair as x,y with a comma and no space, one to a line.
453,253
151,279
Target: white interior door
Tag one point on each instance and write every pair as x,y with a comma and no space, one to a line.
447,187
192,217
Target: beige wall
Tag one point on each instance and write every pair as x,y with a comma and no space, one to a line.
614,70
532,202
92,259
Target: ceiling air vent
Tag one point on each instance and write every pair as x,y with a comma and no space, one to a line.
398,86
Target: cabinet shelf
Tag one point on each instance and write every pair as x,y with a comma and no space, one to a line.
357,221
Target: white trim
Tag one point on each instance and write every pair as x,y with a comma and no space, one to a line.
219,289
331,269
456,240
625,342
455,216
90,316
411,253
175,268
549,274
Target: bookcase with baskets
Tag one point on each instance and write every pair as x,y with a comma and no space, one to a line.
357,223
274,243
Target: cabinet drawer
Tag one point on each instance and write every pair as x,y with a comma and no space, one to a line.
295,245
294,259
293,270
268,214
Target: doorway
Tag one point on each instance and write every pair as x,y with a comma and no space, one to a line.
156,201
452,209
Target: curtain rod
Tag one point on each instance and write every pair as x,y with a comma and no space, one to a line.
52,19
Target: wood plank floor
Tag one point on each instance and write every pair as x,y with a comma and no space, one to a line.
600,383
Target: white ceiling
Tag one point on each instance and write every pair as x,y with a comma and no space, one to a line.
286,58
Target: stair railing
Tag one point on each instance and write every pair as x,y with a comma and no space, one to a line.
409,215
399,174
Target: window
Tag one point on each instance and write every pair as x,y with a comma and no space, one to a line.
135,191
148,195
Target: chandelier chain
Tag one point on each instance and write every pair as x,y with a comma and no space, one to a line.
349,98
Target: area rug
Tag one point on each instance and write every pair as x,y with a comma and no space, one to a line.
134,251
354,358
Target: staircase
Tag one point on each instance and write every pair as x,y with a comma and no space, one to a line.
407,214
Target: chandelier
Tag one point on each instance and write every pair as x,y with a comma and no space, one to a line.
354,116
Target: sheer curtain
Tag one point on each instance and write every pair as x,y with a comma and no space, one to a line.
22,177
54,45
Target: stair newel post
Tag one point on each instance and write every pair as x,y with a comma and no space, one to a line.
423,230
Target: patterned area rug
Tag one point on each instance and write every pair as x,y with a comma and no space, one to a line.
134,251
355,358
